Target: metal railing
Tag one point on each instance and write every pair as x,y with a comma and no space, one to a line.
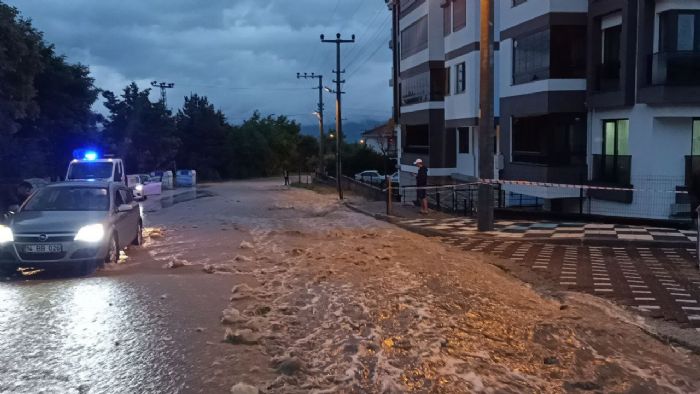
456,199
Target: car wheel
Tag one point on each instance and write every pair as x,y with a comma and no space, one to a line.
113,251
139,236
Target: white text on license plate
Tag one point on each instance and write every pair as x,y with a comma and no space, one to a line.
43,248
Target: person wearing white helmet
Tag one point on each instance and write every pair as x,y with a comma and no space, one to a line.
421,182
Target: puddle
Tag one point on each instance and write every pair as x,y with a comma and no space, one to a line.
167,202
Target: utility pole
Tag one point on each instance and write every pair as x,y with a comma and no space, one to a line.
338,109
319,114
163,86
486,124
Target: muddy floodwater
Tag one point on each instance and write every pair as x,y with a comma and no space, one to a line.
284,290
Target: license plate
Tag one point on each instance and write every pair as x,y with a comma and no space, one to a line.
43,248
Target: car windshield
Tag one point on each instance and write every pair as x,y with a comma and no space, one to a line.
90,170
69,199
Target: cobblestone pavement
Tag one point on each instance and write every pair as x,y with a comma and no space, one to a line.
659,282
521,229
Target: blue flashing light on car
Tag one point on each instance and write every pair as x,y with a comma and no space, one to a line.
90,155
85,154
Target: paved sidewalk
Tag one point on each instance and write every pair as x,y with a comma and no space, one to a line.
659,281
542,231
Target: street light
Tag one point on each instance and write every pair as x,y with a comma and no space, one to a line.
362,141
329,90
331,136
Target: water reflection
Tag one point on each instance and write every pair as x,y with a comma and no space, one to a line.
91,334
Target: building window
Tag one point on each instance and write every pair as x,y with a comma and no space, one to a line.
448,82
568,52
459,15
559,52
531,57
614,165
414,38
518,2
460,78
696,138
447,18
463,138
415,89
679,31
616,137
554,140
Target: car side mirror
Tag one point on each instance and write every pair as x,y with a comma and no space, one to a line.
125,208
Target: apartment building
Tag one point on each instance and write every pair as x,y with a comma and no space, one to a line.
597,92
643,99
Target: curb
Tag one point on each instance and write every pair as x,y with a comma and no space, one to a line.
603,242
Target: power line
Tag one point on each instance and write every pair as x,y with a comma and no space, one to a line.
370,24
366,47
359,67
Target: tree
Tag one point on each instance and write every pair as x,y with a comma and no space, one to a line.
45,102
20,62
264,146
139,131
203,131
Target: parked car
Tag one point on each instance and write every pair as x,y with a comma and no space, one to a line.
370,176
143,186
74,225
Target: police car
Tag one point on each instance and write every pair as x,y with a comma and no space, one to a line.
87,165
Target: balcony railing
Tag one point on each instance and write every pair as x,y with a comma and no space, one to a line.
614,170
608,76
675,68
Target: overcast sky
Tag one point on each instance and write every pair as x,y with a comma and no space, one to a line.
242,54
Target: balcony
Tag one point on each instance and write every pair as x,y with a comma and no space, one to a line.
675,68
612,171
608,77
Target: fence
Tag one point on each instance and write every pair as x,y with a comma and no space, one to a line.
658,198
458,199
366,190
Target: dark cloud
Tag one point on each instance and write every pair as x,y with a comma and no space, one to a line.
243,54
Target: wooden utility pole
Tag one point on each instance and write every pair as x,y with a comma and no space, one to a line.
338,107
486,123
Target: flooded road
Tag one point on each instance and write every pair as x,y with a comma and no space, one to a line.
85,335
287,291
133,328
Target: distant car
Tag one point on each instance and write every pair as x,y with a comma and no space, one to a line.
142,186
395,178
370,176
71,225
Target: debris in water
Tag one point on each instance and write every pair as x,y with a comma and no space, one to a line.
246,245
241,337
175,263
288,366
242,388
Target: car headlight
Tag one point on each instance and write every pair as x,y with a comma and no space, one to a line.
92,233
6,235
139,188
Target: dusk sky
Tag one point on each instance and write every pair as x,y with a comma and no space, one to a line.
242,54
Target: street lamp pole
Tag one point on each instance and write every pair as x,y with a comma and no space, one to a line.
319,113
338,107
